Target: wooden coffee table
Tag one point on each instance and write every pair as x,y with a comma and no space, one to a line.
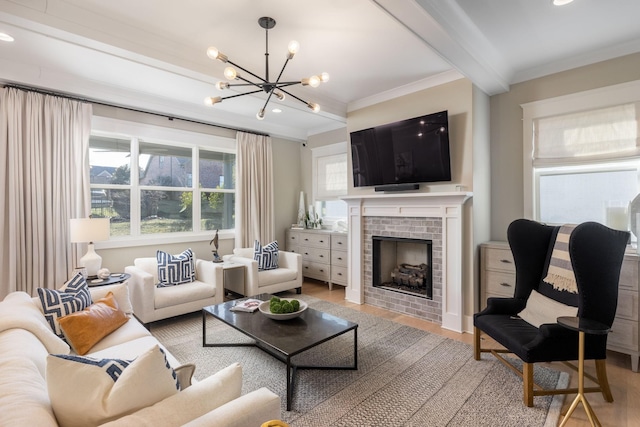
283,339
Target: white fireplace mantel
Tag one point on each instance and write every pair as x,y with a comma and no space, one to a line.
448,207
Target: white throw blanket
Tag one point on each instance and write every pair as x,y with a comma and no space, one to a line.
17,311
560,274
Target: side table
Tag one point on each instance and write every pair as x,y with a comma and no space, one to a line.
111,280
227,267
583,326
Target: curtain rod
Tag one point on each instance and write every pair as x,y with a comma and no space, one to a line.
153,113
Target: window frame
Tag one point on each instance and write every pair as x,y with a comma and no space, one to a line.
583,101
318,153
134,132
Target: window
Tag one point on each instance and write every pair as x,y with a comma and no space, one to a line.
583,159
173,168
330,181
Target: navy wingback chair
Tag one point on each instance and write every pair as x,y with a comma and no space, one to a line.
596,254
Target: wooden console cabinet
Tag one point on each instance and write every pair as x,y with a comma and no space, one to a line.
498,279
324,254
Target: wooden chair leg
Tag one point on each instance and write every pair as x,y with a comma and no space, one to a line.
601,372
527,382
476,343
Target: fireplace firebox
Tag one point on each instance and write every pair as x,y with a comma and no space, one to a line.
403,265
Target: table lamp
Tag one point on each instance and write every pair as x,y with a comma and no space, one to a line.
89,230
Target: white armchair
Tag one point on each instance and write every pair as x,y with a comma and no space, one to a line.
151,303
287,276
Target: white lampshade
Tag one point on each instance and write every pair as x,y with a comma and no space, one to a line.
86,230
89,230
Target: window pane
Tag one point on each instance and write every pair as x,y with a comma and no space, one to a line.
109,160
114,204
165,211
583,196
164,165
217,170
217,211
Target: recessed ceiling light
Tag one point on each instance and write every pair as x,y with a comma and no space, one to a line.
6,37
276,110
561,2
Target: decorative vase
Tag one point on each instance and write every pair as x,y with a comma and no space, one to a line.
301,211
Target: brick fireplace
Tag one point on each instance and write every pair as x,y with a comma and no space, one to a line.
437,217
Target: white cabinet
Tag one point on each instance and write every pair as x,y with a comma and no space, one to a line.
498,279
324,254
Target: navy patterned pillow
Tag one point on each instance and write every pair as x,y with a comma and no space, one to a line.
175,269
267,256
74,296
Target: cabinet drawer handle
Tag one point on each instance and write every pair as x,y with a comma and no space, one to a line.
306,240
339,258
306,253
505,261
306,268
321,271
339,274
339,243
321,241
506,285
321,256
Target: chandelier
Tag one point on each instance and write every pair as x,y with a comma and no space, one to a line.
271,88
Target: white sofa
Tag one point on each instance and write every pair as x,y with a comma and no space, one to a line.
26,339
151,303
287,276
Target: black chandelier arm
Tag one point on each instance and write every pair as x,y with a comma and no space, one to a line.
281,71
293,96
240,94
247,71
285,84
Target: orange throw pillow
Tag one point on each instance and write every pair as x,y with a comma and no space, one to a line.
84,329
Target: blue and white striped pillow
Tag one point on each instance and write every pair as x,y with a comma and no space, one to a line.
175,269
74,296
267,256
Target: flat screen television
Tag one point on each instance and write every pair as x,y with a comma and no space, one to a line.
406,152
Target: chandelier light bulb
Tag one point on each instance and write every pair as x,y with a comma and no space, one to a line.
214,53
279,95
260,114
314,81
314,107
293,48
222,85
230,73
324,77
212,100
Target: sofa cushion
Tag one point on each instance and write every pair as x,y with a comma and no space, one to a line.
542,309
73,296
175,269
86,391
279,275
202,397
266,256
23,394
84,329
188,292
120,292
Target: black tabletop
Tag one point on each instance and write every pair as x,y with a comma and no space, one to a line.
288,337
587,326
111,280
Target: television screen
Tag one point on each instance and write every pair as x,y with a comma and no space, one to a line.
409,151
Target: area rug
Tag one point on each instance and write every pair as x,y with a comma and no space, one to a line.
405,376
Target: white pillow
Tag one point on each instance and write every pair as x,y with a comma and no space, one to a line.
120,293
86,391
542,309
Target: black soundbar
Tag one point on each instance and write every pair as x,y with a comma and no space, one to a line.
397,187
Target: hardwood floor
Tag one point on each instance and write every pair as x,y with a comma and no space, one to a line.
625,384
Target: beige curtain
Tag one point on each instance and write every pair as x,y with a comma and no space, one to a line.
254,192
44,163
